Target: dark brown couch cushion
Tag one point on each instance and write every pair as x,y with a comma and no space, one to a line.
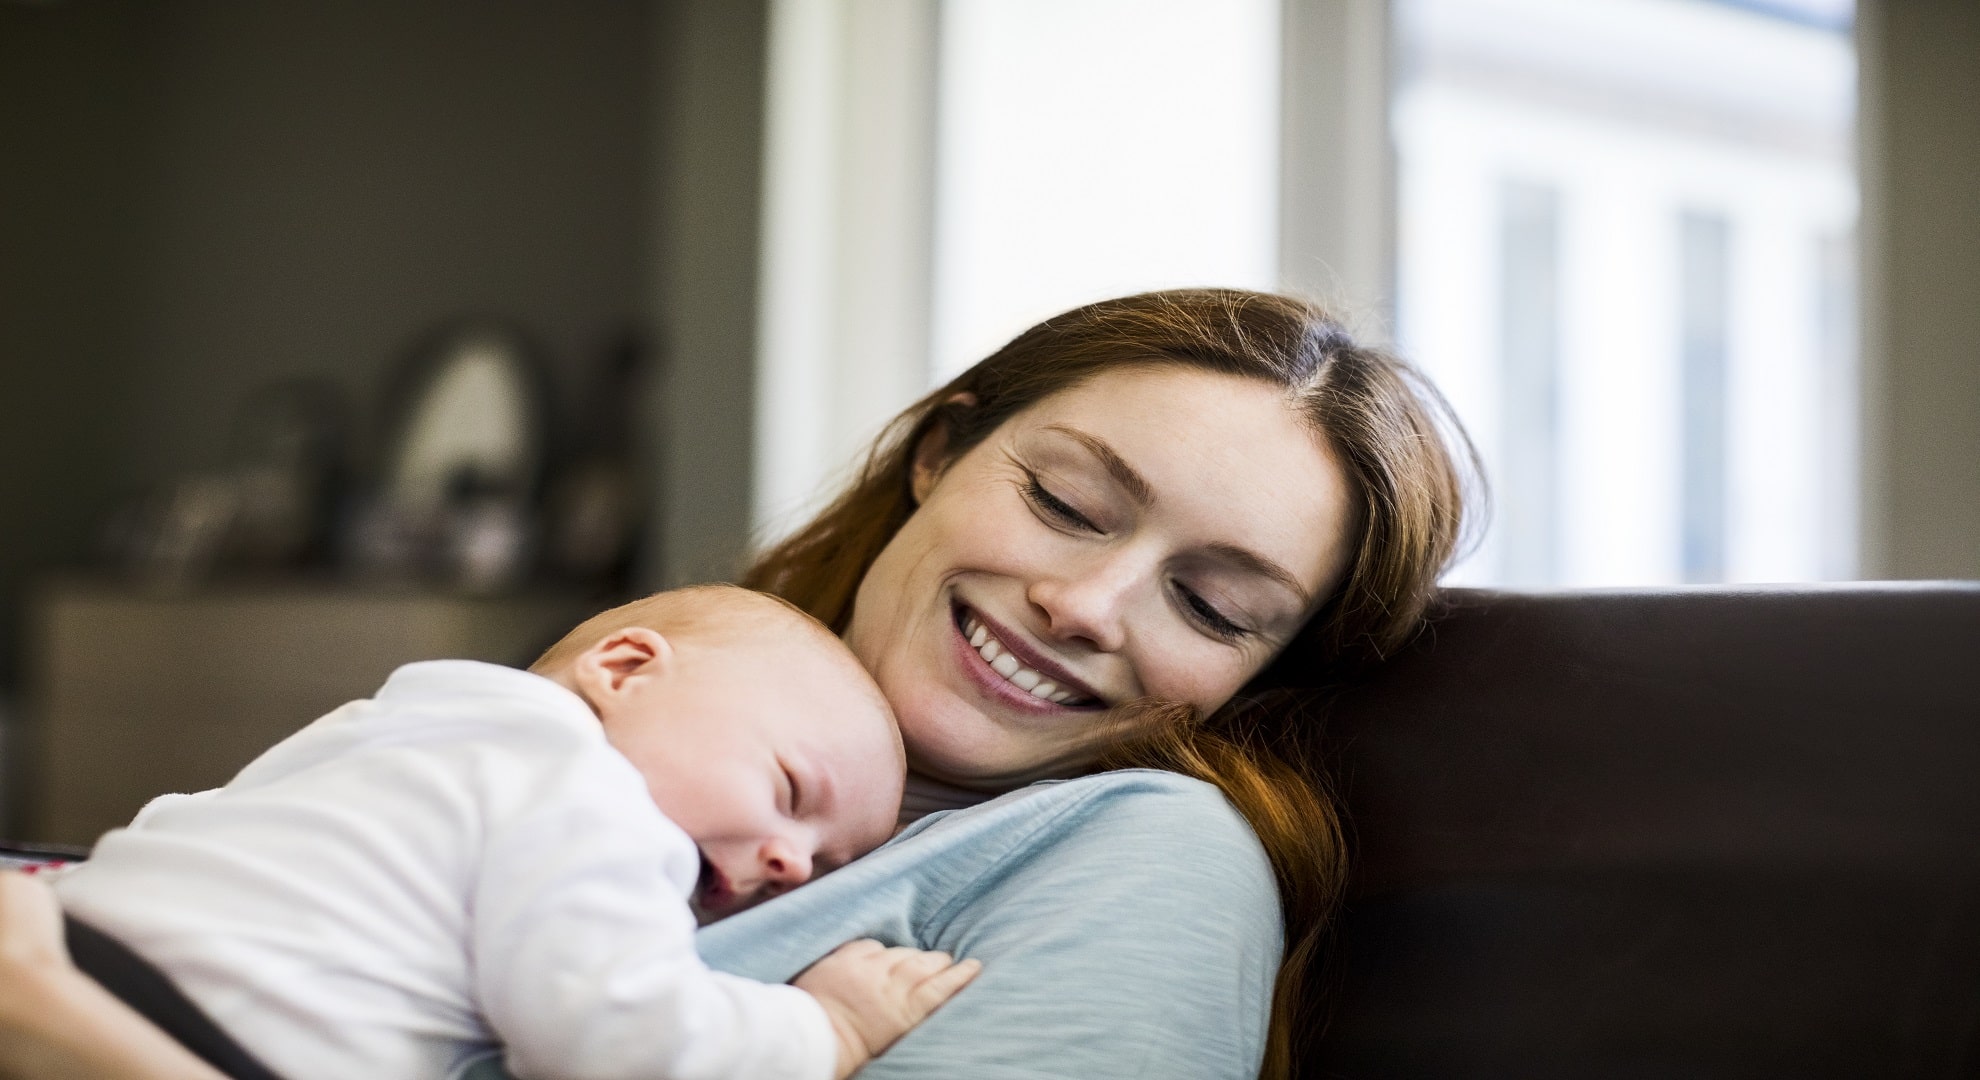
1712,832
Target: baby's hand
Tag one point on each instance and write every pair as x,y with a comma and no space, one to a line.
874,994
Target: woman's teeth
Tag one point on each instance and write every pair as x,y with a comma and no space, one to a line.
1003,663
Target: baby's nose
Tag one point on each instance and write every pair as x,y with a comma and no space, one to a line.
785,865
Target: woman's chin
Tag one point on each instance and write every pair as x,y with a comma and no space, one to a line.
954,766
991,767
943,751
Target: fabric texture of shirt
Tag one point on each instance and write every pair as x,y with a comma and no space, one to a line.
459,861
1128,925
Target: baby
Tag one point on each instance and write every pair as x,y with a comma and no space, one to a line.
481,855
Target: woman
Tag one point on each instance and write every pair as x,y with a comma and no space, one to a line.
1140,502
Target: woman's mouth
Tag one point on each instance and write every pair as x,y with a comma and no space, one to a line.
1016,669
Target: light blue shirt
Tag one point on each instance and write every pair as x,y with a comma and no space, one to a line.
1128,926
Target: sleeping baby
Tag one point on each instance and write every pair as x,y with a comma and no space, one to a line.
481,855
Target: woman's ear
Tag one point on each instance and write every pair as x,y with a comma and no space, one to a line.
614,667
931,454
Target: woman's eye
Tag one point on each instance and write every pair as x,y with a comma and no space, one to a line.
1209,617
1054,507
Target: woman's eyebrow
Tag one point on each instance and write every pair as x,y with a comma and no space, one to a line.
1137,488
1116,466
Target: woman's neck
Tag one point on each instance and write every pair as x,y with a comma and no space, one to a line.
924,796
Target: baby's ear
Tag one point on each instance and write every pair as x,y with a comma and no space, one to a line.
622,657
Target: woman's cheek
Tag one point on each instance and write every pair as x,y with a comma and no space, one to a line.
1204,677
1008,540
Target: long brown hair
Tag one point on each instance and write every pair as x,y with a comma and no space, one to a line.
1409,467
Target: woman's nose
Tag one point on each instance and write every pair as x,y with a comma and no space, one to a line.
785,864
1088,599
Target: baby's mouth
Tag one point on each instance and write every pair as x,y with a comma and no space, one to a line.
712,894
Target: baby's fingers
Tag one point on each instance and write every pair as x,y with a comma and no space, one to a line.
912,965
929,994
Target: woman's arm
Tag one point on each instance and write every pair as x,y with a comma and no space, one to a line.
54,1020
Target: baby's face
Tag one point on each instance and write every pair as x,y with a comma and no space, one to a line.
779,758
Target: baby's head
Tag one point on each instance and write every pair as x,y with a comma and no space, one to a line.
757,731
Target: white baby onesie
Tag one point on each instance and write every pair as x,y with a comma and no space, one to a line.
459,861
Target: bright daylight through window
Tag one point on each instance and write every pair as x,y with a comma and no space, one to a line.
1626,252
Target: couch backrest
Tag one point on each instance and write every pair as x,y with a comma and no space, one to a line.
1702,832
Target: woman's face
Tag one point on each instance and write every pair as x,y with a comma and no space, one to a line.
1158,531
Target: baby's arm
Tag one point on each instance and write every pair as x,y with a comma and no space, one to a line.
56,1021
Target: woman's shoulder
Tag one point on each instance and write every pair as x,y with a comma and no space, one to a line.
1162,846
1140,832
1140,895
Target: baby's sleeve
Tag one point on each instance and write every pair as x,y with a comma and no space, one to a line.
583,946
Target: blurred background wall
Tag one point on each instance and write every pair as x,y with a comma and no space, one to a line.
1921,166
200,198
197,198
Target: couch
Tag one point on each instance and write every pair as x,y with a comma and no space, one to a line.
1697,832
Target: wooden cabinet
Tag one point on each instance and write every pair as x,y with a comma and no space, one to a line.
137,694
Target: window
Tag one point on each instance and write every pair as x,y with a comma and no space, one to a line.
1624,250
941,174
1093,148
